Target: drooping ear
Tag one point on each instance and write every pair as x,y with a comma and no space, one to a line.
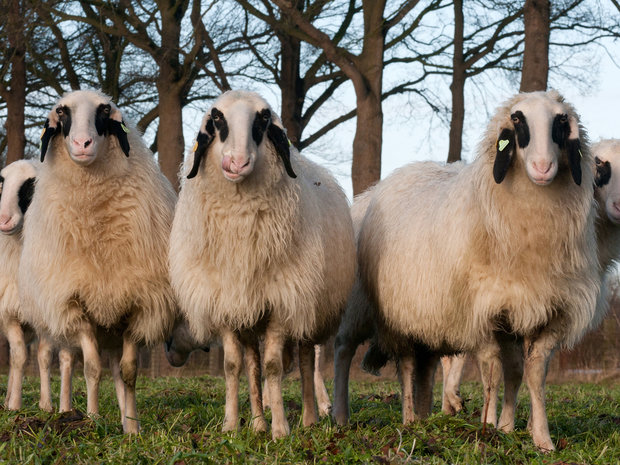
602,174
505,150
278,138
116,127
203,140
50,129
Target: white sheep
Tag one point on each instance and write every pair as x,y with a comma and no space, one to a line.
261,243
448,254
607,195
94,269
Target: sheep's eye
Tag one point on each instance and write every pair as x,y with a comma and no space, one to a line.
216,117
266,114
598,161
515,119
563,119
106,109
59,111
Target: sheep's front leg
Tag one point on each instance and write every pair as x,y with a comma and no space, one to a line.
92,367
451,400
306,369
44,357
424,378
129,374
119,386
232,369
490,366
253,369
322,397
344,350
65,357
17,361
405,374
538,353
274,344
511,350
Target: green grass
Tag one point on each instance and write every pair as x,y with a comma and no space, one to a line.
182,417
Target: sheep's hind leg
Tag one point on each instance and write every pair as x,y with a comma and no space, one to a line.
538,353
306,369
322,397
405,374
512,363
65,357
451,400
490,365
92,367
17,362
233,359
274,344
253,369
344,351
129,374
44,357
119,386
423,380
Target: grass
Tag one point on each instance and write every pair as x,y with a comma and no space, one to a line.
181,420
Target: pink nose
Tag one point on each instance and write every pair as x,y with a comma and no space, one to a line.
82,142
542,167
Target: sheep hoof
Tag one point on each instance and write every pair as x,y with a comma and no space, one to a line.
229,426
131,427
325,409
310,418
259,425
281,431
46,406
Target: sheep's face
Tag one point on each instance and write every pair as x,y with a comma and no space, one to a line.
607,176
234,130
85,119
541,130
15,195
181,344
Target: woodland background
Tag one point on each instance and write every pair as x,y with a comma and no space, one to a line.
323,64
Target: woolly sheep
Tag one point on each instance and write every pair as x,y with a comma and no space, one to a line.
261,243
448,254
94,262
607,195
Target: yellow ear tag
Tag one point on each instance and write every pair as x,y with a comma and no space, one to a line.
580,154
195,146
42,132
289,143
502,144
124,128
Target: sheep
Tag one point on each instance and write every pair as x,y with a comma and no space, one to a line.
261,244
93,271
607,194
450,254
181,344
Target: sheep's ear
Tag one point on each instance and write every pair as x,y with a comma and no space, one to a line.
602,174
203,140
118,129
505,150
278,138
49,130
573,150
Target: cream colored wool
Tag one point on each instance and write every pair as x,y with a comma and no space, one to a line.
444,251
97,235
269,244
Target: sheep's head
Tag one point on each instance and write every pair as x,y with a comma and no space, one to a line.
541,129
17,189
234,130
85,118
181,344
607,176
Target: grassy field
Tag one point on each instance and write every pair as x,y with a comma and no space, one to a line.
181,422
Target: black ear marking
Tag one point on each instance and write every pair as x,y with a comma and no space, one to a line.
573,149
46,136
503,157
24,196
203,140
603,172
278,138
120,131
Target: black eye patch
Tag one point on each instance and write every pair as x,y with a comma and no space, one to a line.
261,121
220,123
101,118
560,130
522,129
64,116
24,196
603,172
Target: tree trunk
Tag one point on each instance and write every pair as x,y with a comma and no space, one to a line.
536,55
457,87
366,167
16,96
170,141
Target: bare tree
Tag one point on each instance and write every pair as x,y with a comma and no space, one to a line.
536,18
